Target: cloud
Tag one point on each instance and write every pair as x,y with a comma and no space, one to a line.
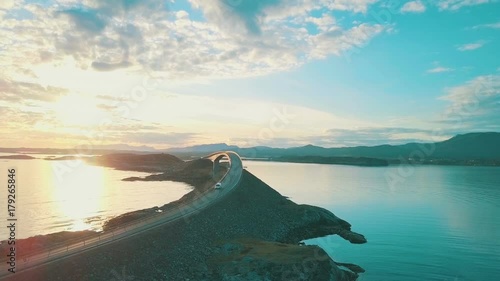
337,41
7,4
159,139
240,39
471,46
115,7
283,8
251,15
14,91
113,98
325,22
94,35
371,136
413,7
474,105
86,19
242,14
454,5
489,25
102,66
357,6
439,69
19,119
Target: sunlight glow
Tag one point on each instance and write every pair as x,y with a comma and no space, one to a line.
79,194
77,110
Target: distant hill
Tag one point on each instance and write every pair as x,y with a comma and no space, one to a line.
137,162
472,146
17,157
204,148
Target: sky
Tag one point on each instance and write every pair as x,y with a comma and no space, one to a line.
275,73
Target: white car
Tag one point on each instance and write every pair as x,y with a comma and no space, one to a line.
218,185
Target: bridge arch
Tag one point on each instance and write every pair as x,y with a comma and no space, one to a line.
216,166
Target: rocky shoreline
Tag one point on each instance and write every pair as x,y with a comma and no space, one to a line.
252,234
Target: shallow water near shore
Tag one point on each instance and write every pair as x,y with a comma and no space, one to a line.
431,223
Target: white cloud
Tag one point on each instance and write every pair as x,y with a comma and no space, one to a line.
324,23
373,135
236,42
251,16
471,46
475,89
413,7
7,4
359,6
458,4
182,15
439,69
339,41
489,25
475,103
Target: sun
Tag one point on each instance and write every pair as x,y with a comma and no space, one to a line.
78,110
78,193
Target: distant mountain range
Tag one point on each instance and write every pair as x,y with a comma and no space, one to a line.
468,149
203,149
472,146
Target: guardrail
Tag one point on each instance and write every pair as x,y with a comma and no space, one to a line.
104,237
74,246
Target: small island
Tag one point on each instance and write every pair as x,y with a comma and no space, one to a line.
17,157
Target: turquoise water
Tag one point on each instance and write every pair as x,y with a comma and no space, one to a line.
422,223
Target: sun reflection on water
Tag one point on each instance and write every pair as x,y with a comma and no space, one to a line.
78,194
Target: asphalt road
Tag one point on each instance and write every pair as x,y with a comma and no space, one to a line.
228,183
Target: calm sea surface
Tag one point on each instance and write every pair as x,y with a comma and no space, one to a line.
422,223
54,196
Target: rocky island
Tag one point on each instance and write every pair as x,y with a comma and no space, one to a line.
253,233
17,157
